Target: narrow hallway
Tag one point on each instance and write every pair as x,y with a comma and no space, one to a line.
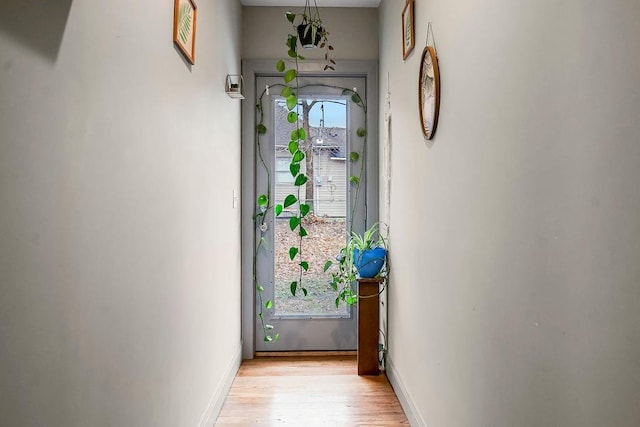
306,391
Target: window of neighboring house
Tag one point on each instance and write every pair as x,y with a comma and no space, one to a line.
283,174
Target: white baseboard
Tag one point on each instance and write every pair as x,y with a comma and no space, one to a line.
409,407
215,405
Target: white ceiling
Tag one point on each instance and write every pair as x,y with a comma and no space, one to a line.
321,3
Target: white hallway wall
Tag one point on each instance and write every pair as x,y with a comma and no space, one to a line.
515,234
119,245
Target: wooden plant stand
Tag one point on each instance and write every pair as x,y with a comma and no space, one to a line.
368,325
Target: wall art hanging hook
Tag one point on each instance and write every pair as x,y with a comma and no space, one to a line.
431,37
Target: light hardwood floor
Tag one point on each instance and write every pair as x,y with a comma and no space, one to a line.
309,391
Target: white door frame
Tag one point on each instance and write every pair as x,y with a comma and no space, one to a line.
250,70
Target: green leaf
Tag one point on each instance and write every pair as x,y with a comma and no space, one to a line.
295,169
302,134
268,338
338,302
290,75
353,156
327,265
184,23
356,98
292,42
298,156
361,132
292,53
304,209
268,327
293,287
293,251
304,265
290,16
260,288
292,100
304,291
278,209
354,179
286,91
268,304
261,129
263,200
292,117
289,200
294,222
303,232
280,66
301,180
293,146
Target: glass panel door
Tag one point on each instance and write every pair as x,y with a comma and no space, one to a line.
308,319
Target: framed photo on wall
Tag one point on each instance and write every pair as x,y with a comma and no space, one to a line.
408,30
184,28
429,91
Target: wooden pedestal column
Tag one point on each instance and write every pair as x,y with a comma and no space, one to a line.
368,325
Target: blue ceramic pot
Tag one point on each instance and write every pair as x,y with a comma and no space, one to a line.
370,262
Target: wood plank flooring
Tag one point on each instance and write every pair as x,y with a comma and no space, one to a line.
309,391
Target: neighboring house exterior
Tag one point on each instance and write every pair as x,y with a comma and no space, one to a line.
329,150
330,172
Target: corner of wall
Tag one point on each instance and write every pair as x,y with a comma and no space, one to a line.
215,404
406,401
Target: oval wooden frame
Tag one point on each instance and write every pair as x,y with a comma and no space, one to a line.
429,50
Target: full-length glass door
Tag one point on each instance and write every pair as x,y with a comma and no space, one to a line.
310,319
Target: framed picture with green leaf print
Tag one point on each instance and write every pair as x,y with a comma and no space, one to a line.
184,28
408,30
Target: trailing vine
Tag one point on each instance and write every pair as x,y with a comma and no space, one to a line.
289,90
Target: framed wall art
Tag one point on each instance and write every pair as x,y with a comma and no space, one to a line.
429,91
408,30
184,28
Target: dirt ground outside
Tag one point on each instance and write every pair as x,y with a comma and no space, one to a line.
326,237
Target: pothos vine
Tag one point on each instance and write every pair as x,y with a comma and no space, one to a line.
289,91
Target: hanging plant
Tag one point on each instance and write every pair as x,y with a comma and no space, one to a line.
311,32
309,26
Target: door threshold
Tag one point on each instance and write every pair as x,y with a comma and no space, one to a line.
305,353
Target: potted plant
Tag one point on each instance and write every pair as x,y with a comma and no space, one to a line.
311,32
364,256
369,253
